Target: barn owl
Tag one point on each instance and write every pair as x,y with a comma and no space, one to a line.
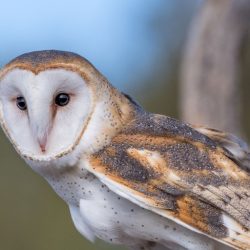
129,177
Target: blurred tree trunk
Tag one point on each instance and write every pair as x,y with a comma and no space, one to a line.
210,92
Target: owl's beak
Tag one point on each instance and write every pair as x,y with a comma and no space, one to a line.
42,143
41,125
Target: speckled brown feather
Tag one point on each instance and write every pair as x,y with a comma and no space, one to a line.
235,148
174,168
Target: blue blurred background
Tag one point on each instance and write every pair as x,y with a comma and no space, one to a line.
126,40
137,45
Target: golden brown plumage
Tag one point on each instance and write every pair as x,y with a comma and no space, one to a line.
182,173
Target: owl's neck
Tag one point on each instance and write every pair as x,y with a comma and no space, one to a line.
112,112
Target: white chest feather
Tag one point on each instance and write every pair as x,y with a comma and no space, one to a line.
99,212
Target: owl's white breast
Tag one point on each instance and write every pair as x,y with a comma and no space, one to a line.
99,212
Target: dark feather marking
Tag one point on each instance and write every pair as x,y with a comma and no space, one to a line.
158,125
167,188
117,162
186,157
124,165
201,215
235,148
135,103
179,156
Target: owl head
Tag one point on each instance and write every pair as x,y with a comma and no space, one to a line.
56,105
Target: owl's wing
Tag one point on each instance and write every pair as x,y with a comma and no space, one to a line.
178,172
235,148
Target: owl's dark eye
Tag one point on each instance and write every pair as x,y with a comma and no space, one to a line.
62,99
21,103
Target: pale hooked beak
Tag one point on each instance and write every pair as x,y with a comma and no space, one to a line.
42,143
40,123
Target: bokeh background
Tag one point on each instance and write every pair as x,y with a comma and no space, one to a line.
138,45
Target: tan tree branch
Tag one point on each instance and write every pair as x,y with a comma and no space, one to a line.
210,93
